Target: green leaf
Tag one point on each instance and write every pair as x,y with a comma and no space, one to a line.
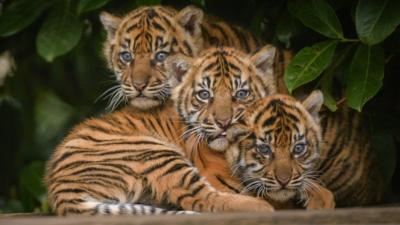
31,184
60,32
376,19
286,28
364,78
308,64
317,15
148,2
20,14
52,116
90,5
335,69
326,88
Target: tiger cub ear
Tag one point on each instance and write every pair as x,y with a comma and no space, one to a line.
190,19
313,103
177,66
264,58
110,23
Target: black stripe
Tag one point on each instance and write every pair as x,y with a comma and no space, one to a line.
175,168
194,179
223,182
188,48
157,26
241,38
66,155
182,181
158,166
125,142
268,122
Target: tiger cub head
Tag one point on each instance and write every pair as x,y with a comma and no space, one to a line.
215,89
138,44
276,151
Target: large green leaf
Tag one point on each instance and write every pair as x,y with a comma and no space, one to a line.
364,78
376,19
52,117
326,88
317,15
89,5
308,64
60,32
20,14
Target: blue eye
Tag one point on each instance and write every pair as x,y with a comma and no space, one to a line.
264,149
299,149
204,94
161,56
125,56
241,94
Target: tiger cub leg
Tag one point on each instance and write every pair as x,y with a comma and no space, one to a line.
320,198
155,172
176,182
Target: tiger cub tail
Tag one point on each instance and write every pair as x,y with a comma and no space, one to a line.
96,207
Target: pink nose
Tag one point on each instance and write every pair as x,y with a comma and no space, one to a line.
283,178
139,85
224,123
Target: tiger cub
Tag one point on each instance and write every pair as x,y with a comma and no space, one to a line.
131,160
277,152
284,156
138,44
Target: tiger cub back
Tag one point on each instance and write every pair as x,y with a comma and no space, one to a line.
349,162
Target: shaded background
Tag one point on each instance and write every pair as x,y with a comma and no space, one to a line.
52,74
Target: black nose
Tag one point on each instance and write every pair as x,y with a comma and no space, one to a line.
223,123
139,86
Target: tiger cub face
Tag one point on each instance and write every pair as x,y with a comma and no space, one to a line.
276,152
216,88
138,44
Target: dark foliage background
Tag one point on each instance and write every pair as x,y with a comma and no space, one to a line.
52,72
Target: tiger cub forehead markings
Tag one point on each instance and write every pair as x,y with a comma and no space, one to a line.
279,122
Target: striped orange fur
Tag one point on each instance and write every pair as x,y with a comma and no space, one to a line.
128,161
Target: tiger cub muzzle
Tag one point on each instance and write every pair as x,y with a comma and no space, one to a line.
144,83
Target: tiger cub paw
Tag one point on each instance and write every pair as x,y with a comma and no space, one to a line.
320,198
242,203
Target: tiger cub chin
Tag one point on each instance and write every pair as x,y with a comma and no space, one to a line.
276,151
